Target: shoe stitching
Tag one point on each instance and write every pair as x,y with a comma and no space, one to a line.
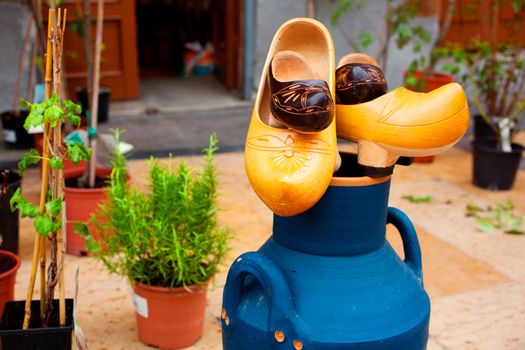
393,110
433,123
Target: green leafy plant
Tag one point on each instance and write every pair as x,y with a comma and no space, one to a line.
495,72
166,237
50,113
415,199
500,217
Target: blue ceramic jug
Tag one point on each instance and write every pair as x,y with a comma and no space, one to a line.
328,279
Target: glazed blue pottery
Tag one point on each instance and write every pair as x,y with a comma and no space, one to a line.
328,279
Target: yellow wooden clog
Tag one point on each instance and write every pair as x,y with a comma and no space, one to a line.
404,123
289,170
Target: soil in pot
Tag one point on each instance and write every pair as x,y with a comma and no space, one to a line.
51,338
9,265
494,169
80,204
104,97
13,131
9,223
169,318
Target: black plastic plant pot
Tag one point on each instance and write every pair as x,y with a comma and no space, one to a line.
104,96
494,169
13,131
51,338
9,222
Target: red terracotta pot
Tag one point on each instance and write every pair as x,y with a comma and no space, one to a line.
432,82
80,204
7,277
169,318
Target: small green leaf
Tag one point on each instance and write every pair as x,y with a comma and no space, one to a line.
474,207
44,224
54,207
366,39
35,117
93,246
415,199
485,225
54,114
411,80
78,152
74,119
506,205
31,157
82,229
56,163
25,104
26,209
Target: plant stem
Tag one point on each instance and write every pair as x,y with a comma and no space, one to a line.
96,84
480,107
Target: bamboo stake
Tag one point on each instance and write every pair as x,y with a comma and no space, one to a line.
96,84
59,238
88,47
45,178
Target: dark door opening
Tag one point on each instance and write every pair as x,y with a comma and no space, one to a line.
167,30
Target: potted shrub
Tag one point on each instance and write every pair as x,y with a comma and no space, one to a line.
494,71
46,323
166,241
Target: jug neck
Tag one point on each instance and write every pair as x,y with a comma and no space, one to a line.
347,220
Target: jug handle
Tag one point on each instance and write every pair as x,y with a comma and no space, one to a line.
410,241
282,314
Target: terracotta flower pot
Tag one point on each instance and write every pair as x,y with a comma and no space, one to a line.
431,82
9,265
80,204
169,318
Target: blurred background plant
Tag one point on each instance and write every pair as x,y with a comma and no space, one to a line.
493,70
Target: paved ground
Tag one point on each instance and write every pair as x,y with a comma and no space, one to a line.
476,281
162,133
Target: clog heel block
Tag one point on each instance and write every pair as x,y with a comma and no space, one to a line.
290,169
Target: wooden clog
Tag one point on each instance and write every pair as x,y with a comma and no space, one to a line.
291,170
359,79
404,123
299,99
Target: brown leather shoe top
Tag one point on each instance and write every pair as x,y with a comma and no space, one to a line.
358,83
302,105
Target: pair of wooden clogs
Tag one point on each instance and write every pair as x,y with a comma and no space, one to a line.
291,146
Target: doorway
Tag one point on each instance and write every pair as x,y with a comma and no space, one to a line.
189,45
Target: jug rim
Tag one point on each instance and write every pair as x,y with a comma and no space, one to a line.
357,181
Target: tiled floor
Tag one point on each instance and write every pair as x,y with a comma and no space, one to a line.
476,281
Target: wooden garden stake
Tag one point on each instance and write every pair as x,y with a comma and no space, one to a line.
96,84
51,179
39,240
